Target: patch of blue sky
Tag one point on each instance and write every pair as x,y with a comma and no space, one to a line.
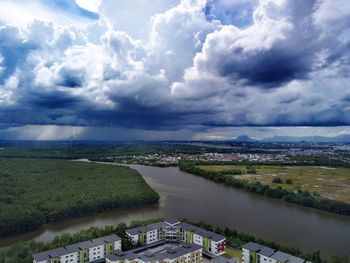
70,6
237,13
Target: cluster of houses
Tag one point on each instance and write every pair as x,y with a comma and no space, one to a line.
169,241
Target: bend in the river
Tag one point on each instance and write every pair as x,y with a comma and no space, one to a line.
187,196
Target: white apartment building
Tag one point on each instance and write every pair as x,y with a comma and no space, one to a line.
210,241
256,253
146,235
185,253
97,250
172,229
83,252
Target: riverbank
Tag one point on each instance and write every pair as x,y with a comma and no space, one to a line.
184,195
329,182
21,252
299,197
37,191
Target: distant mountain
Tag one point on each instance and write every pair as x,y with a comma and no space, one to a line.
336,139
245,138
345,138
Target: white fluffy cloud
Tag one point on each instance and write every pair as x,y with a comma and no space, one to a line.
133,18
174,64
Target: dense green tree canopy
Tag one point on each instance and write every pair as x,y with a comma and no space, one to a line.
37,191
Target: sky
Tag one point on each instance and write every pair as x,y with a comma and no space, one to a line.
173,69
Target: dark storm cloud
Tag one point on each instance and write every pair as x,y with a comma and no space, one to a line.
70,77
267,68
51,100
280,67
290,55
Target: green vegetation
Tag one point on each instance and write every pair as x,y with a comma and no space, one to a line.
289,181
22,251
249,182
277,181
232,252
329,182
37,191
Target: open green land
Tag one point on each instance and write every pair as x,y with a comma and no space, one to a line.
333,183
233,252
37,191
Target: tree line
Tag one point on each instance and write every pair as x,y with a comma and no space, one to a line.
304,198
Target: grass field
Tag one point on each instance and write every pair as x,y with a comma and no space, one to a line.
333,183
232,252
37,191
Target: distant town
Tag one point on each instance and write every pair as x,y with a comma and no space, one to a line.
285,153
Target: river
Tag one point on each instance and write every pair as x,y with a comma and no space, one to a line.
186,196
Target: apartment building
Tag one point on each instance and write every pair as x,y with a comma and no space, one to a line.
175,230
83,252
256,253
210,241
146,235
191,238
184,253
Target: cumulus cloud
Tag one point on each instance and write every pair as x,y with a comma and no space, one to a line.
62,12
177,64
133,18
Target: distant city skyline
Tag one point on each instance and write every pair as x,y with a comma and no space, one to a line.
173,69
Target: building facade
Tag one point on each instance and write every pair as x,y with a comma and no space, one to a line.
189,241
83,252
175,230
256,253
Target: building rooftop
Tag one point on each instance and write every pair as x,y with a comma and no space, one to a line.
202,232
172,221
58,252
294,259
252,246
175,222
269,252
45,255
281,256
168,252
113,257
147,228
130,255
266,251
72,248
